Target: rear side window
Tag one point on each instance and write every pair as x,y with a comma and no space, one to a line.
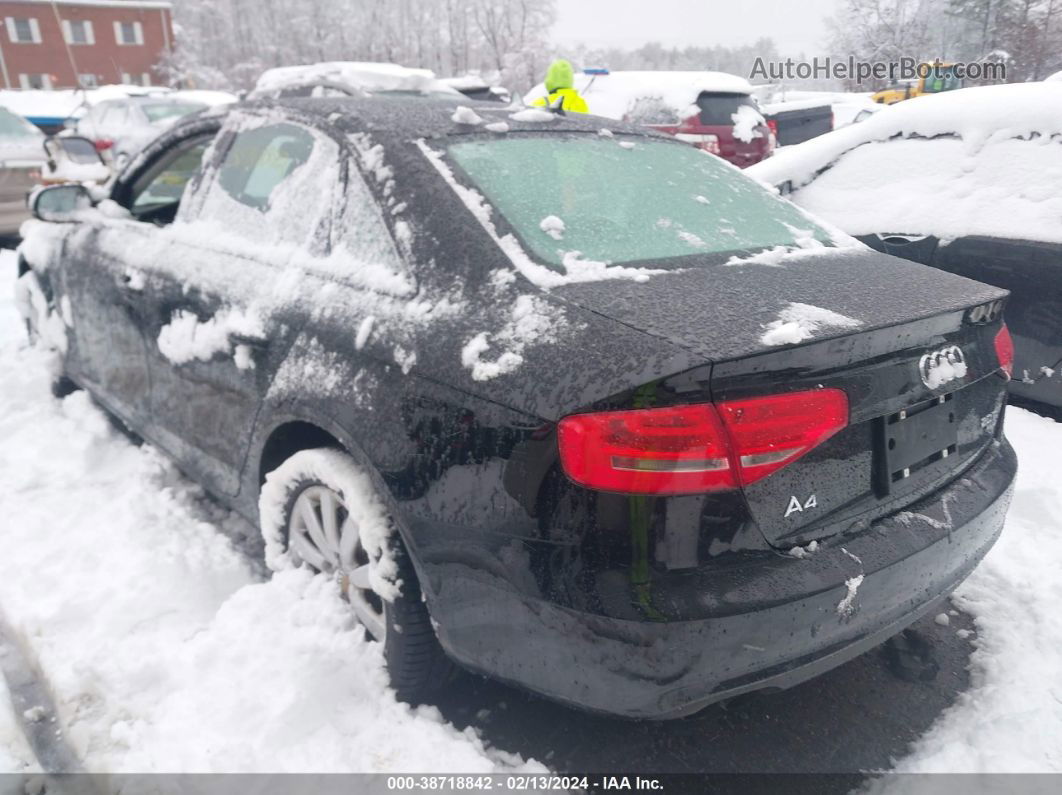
260,159
718,109
591,197
274,182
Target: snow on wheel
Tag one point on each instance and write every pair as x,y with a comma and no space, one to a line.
319,509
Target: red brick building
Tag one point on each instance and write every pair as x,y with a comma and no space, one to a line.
69,43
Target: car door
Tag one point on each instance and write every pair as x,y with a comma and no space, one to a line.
218,319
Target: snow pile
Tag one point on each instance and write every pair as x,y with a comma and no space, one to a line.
663,97
163,650
532,321
986,161
465,115
364,75
940,371
186,337
845,606
798,322
552,226
1008,189
533,115
1010,719
747,120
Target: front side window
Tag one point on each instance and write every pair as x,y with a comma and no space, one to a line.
591,197
157,195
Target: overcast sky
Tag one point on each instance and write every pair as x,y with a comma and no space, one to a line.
795,25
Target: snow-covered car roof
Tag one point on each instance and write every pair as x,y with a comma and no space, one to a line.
364,75
614,94
974,162
1056,77
56,105
976,115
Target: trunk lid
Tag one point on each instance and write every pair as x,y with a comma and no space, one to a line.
869,323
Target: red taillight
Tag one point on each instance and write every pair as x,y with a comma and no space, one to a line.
699,448
1005,350
769,432
773,126
103,143
678,450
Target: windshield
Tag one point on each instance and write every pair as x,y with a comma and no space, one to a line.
941,78
12,126
169,109
655,200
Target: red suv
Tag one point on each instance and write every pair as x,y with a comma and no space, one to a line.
729,125
714,111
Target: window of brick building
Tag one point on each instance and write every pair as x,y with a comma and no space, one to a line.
34,81
23,31
78,31
128,33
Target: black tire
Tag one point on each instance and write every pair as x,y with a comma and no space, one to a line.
416,663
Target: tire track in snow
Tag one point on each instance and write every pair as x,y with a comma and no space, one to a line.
34,707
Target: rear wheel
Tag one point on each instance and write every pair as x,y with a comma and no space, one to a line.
324,513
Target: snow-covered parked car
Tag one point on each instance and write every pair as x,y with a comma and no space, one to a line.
475,87
968,181
713,111
21,160
636,443
349,78
120,128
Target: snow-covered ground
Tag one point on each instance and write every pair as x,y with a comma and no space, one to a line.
15,753
166,651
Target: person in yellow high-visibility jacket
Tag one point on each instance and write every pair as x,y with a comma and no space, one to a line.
560,86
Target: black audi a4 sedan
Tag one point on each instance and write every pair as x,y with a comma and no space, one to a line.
564,401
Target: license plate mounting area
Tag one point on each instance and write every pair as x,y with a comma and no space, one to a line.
914,438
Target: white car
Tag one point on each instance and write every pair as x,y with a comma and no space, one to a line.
120,128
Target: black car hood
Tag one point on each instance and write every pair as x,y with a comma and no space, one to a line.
721,312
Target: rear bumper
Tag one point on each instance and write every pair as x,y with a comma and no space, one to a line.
803,625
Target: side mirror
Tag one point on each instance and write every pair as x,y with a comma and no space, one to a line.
61,203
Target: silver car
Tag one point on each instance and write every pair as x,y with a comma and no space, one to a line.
21,159
122,127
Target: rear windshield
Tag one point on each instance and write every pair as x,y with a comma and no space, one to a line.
719,109
169,109
656,200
